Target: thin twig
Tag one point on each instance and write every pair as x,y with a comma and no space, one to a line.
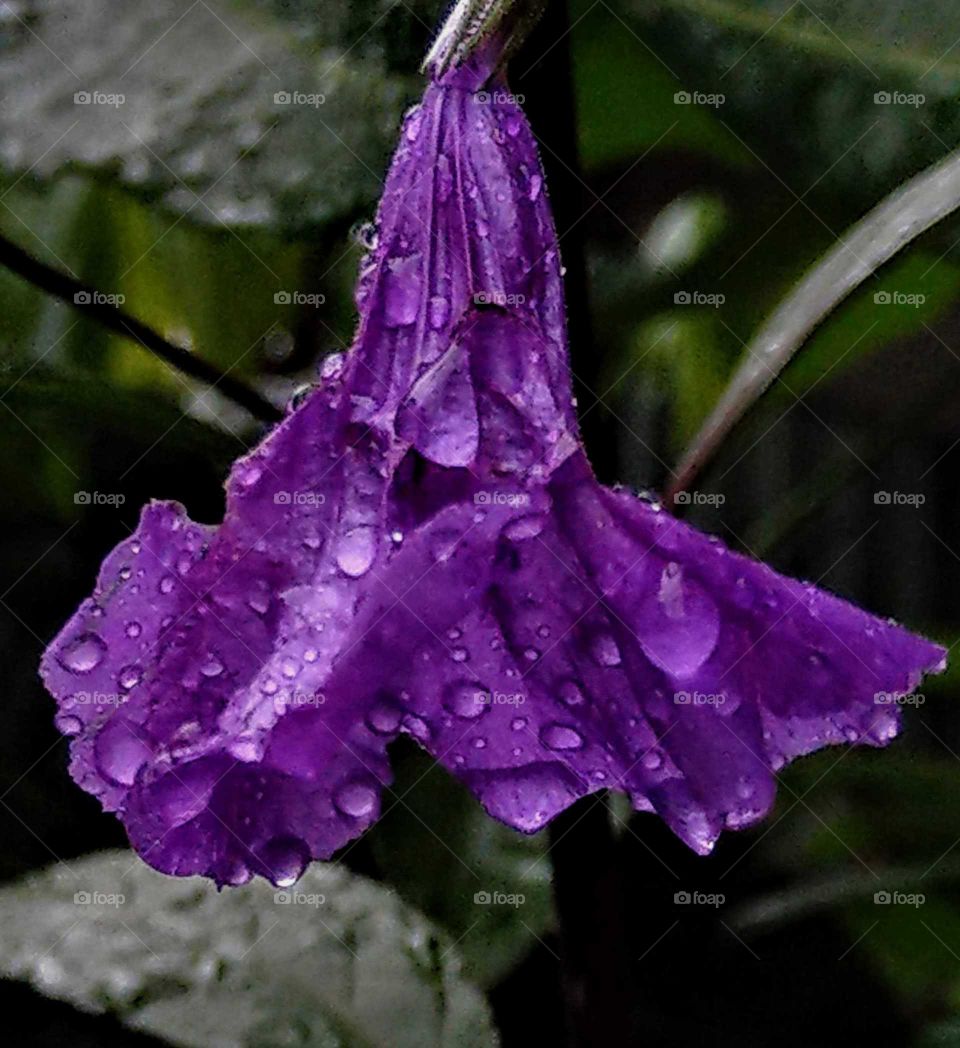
87,300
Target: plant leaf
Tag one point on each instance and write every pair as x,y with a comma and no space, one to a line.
336,960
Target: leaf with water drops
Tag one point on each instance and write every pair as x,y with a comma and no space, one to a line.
336,960
236,113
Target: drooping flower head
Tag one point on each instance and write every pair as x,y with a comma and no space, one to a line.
421,548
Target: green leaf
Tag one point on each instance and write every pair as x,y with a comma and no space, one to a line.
244,114
823,92
337,960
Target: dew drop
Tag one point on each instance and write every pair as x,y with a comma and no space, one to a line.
518,723
561,737
211,666
356,550
133,630
285,859
459,654
68,724
383,718
525,527
571,693
652,760
84,653
605,651
120,753
129,677
355,799
466,699
166,584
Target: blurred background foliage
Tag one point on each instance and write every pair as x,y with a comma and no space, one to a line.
723,146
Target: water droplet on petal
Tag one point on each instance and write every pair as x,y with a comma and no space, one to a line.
605,650
285,858
561,737
356,550
129,677
356,799
652,760
383,718
120,752
401,291
211,666
571,693
518,723
166,584
526,527
83,654
466,698
68,724
133,630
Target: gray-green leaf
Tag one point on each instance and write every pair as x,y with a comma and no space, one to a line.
231,112
335,961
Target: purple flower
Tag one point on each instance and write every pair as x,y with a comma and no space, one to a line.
421,548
